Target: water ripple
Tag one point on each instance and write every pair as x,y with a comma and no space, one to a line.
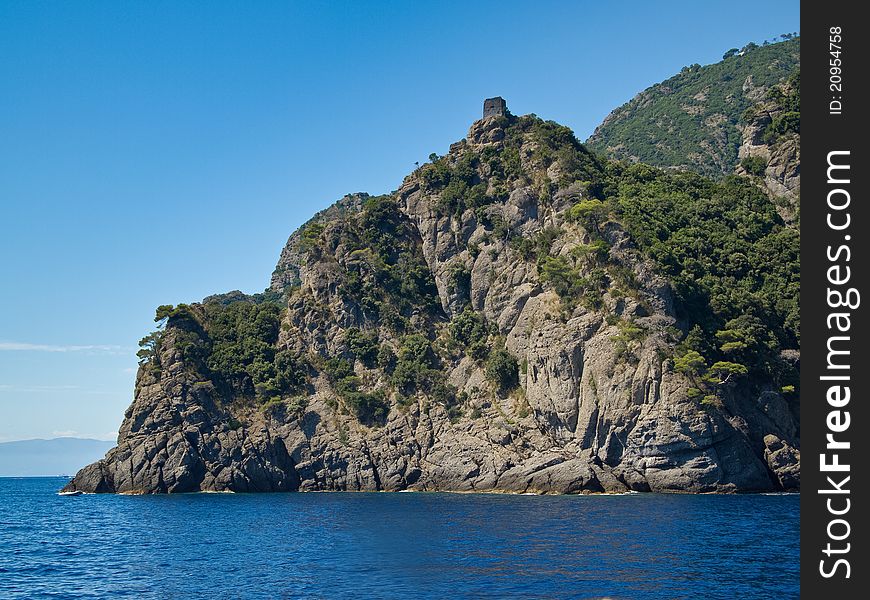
394,545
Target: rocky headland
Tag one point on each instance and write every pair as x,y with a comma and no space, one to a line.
502,322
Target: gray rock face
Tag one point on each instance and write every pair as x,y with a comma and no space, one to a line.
588,416
782,174
287,272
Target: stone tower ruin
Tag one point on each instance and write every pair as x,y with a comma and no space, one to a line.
494,107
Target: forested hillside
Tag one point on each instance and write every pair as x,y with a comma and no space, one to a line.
695,119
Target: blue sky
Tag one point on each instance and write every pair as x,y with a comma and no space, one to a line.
157,152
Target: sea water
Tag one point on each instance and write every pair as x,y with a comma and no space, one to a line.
383,545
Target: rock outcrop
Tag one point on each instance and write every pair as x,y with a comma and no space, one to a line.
778,156
594,411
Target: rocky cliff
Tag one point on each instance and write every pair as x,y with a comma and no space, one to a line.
501,322
771,148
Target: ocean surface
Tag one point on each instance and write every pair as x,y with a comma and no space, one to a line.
399,545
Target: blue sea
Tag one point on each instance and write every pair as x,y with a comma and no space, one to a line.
394,545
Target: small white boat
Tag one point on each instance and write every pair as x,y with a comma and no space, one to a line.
72,493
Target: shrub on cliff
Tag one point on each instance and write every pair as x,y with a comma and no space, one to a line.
416,365
468,332
502,370
364,345
754,165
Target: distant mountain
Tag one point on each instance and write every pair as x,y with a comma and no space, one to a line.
695,119
58,456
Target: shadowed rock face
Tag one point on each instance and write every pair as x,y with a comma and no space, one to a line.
586,418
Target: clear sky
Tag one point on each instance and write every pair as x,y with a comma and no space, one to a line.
157,152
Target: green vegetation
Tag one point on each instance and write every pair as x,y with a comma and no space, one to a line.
787,101
149,349
469,332
417,367
459,281
754,165
589,214
732,262
781,125
572,282
627,340
729,258
385,273
233,344
460,185
555,144
363,345
386,358
502,370
538,246
691,120
369,407
311,235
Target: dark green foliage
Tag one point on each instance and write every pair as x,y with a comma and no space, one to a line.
786,100
746,338
574,285
386,358
437,174
502,370
386,275
558,272
628,338
187,336
468,330
555,144
416,365
787,97
789,122
167,312
589,214
149,348
193,347
459,281
754,165
537,246
691,120
243,353
691,363
337,369
363,345
370,408
732,262
443,393
311,235
467,327
723,372
460,186
231,340
478,349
